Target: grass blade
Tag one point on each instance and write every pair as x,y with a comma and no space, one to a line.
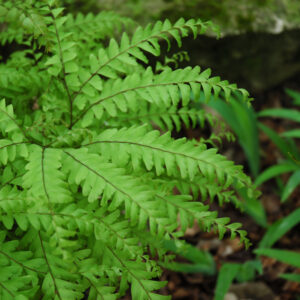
227,274
291,185
274,171
279,229
285,256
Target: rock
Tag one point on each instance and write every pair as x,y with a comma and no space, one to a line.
256,61
252,290
231,296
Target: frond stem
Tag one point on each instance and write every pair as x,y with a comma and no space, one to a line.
157,36
124,266
50,270
153,148
5,288
19,263
64,72
95,287
43,179
133,89
9,181
107,181
12,119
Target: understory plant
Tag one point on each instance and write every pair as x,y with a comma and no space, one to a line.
245,123
93,185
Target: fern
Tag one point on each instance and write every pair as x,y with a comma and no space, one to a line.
88,163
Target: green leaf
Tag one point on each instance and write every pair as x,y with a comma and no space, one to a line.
289,114
71,67
284,147
279,229
57,11
295,95
274,171
254,208
27,23
291,185
248,270
226,275
202,261
288,257
291,133
54,60
291,277
69,56
96,82
3,11
243,122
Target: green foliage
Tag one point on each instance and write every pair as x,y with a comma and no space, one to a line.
285,256
245,123
234,271
89,167
242,120
279,229
287,146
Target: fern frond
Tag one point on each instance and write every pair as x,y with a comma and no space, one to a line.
100,288
168,156
23,21
99,178
22,81
44,179
200,186
10,150
190,211
165,118
8,124
59,281
163,90
137,274
19,270
146,39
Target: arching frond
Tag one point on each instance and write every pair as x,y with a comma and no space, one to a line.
166,118
163,90
112,59
167,156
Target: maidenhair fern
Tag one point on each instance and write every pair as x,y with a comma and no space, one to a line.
89,167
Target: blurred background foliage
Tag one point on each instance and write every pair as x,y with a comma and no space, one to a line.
232,16
259,48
